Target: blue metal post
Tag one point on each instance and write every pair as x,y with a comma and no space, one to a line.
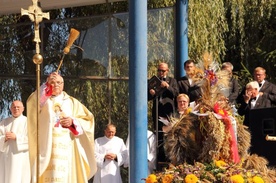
138,90
181,37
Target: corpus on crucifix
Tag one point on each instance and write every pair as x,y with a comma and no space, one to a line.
36,15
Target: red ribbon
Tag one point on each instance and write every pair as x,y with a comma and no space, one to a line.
233,141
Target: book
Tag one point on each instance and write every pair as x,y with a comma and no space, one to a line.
155,84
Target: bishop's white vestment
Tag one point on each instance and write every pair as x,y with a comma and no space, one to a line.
66,154
14,156
109,170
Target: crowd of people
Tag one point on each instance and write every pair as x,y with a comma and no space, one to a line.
256,94
58,144
62,144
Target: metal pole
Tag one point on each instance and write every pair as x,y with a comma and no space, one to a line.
138,90
109,60
181,37
157,132
36,15
37,113
37,59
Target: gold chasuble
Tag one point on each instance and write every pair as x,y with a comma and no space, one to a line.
65,155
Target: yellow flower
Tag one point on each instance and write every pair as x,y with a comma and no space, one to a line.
220,163
221,112
189,110
237,179
257,179
248,174
191,178
167,178
250,180
151,179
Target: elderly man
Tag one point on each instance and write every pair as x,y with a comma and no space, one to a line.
252,100
164,104
66,135
14,156
110,153
266,88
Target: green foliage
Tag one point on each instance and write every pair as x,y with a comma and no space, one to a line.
251,37
239,31
160,3
207,26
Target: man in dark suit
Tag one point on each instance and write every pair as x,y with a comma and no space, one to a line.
252,99
267,89
166,105
186,84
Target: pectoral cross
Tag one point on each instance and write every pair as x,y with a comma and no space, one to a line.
36,15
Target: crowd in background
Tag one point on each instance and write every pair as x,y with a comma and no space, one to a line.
178,95
67,149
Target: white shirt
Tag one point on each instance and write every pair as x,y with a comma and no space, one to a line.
253,102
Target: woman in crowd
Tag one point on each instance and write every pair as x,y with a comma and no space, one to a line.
182,105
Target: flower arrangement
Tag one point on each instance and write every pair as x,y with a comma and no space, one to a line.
215,172
211,76
195,142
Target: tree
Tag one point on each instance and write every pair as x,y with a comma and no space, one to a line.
239,31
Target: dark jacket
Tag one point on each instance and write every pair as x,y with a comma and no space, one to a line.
234,90
194,92
166,104
269,92
244,109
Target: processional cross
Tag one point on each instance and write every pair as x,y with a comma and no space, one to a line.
36,15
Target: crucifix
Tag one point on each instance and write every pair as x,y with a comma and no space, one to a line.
36,15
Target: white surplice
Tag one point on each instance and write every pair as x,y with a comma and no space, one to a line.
14,156
151,152
109,170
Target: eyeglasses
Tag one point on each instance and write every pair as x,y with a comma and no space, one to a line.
159,70
259,74
57,83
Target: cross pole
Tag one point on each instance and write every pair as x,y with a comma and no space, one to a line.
36,15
